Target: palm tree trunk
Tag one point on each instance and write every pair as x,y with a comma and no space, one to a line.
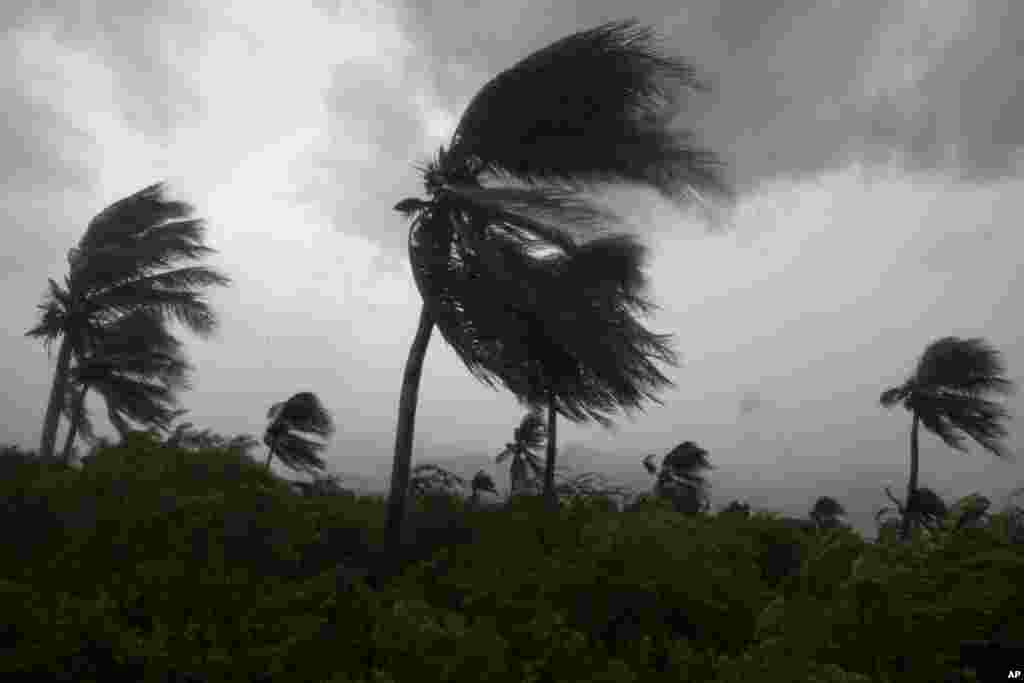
552,449
270,454
400,467
52,418
76,422
910,513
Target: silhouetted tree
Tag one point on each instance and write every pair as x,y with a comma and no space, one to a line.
503,200
123,264
826,513
526,439
481,482
680,477
303,412
930,508
947,394
736,508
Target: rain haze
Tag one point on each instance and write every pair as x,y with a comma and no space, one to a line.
877,151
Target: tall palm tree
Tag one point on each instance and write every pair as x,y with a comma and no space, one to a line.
504,198
303,412
681,478
137,366
826,512
123,263
526,439
948,395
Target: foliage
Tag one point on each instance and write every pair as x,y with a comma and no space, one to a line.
198,564
303,413
680,477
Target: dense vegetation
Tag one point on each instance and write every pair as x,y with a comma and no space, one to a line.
159,563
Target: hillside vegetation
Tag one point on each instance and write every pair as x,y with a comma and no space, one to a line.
157,563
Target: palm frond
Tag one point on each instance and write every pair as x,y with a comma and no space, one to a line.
539,120
891,397
967,365
126,219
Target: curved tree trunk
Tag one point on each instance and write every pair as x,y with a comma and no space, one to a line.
270,455
76,421
911,511
552,449
400,467
51,420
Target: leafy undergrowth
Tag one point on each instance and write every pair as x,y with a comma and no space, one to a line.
154,564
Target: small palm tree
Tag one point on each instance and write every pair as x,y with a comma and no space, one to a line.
826,512
429,479
948,395
481,482
680,477
588,109
526,439
929,508
123,263
303,412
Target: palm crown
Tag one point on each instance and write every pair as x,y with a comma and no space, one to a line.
681,475
123,264
303,412
527,438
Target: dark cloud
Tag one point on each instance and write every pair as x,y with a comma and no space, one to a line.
789,95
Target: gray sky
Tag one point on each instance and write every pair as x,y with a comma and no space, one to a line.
877,148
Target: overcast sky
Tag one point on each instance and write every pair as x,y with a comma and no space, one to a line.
876,146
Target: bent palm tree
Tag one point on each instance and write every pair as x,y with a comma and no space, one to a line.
481,482
138,367
526,439
303,412
503,198
123,264
680,477
947,394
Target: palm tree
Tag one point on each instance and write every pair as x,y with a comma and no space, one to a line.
947,394
929,508
503,200
680,477
526,439
303,412
481,482
736,508
826,512
123,263
137,366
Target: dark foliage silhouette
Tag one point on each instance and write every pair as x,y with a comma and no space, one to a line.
288,420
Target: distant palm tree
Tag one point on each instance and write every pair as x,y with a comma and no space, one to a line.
680,477
526,439
930,508
947,394
303,412
586,109
137,366
123,264
826,512
481,482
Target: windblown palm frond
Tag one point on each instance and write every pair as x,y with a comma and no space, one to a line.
303,412
948,394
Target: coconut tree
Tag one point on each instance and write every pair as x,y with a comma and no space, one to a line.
681,478
826,512
303,412
123,263
137,366
949,394
588,109
929,508
481,482
526,439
